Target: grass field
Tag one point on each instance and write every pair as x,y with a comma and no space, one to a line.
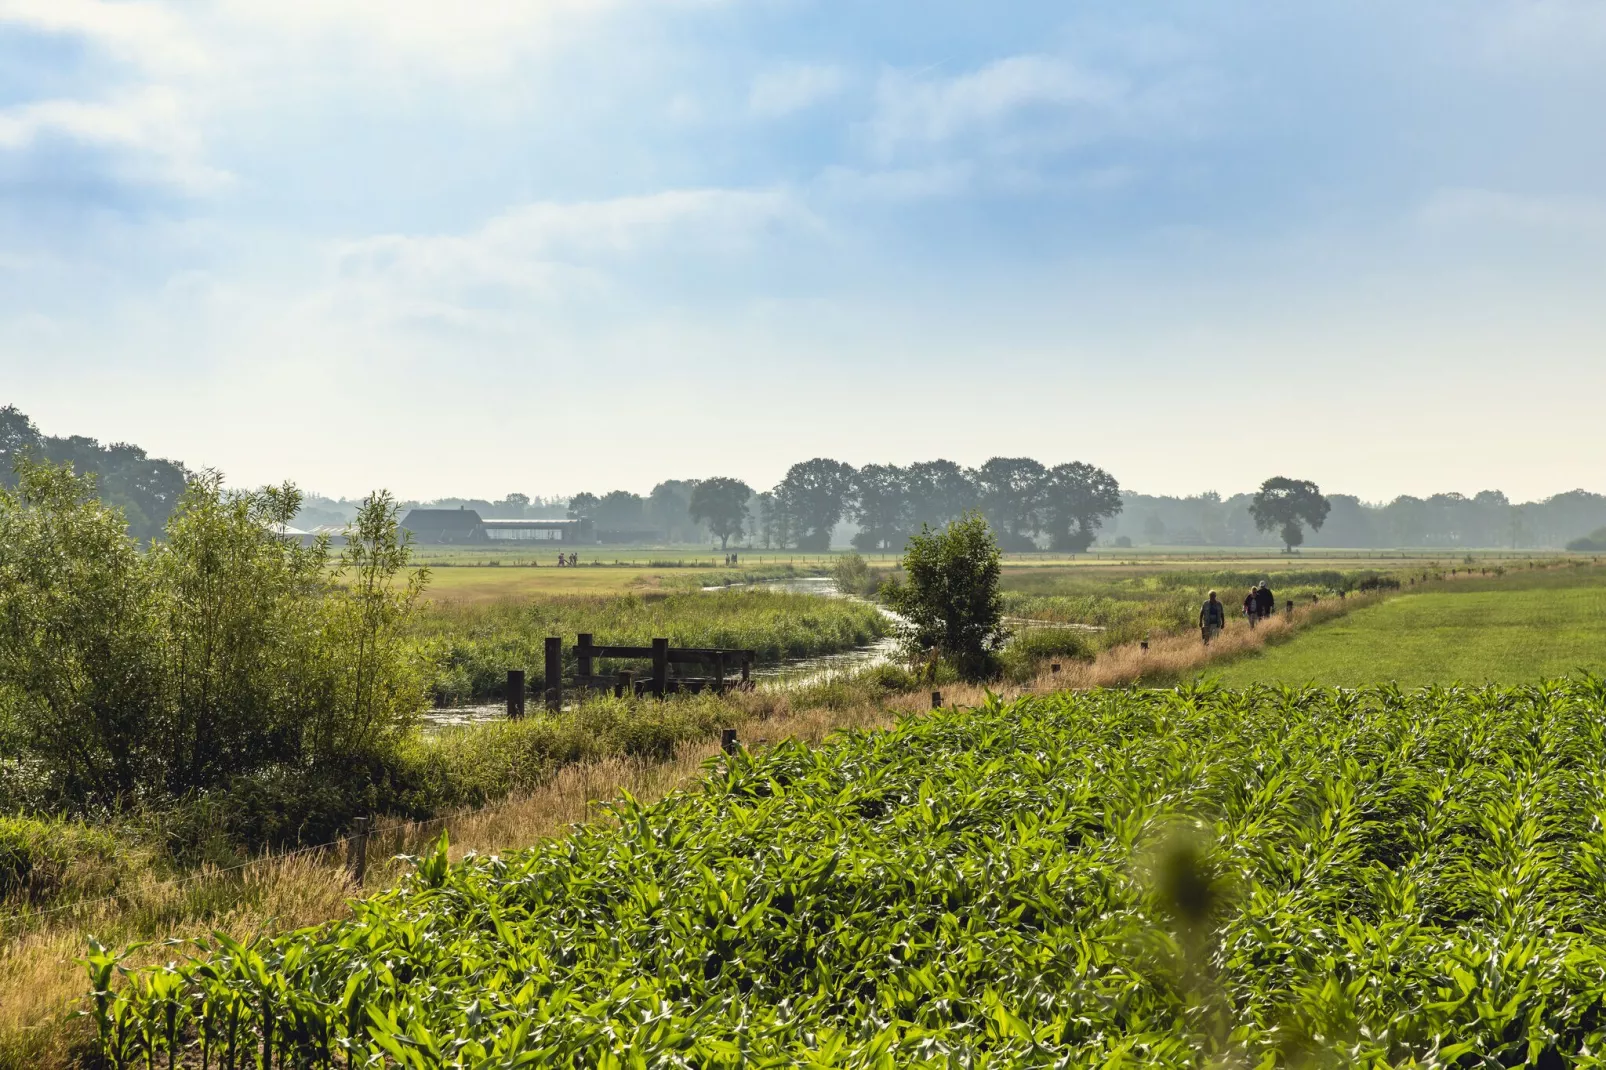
1515,629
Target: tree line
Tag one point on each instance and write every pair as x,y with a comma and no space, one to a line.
1026,502
145,488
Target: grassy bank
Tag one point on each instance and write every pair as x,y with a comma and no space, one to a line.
473,645
1515,629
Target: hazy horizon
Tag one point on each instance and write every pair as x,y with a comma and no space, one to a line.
586,246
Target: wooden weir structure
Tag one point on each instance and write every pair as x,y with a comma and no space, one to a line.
658,681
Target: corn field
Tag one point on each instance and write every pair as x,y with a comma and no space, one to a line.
1183,878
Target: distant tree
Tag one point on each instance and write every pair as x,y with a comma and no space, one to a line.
1153,528
1288,506
1077,498
721,504
583,504
879,503
1593,543
940,492
513,506
814,493
669,510
620,510
146,489
18,435
950,602
1012,491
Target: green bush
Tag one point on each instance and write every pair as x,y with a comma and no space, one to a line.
42,860
129,678
1023,657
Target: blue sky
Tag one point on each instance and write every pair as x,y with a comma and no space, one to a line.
571,245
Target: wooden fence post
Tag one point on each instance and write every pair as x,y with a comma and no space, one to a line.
719,672
626,686
357,851
660,667
515,694
554,673
936,700
583,655
727,740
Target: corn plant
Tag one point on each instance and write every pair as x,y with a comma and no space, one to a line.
1185,878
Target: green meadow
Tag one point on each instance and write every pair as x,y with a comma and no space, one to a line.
1518,628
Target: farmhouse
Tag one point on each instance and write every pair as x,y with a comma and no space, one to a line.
564,531
462,525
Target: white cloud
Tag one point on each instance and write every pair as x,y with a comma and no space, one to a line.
792,87
914,109
547,250
150,124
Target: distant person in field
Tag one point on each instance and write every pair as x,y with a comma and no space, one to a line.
1251,607
1265,601
562,561
1212,618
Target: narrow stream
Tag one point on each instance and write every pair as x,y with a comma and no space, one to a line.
792,672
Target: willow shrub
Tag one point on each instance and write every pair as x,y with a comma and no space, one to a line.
223,651
1182,878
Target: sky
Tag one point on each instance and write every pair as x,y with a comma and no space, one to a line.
469,249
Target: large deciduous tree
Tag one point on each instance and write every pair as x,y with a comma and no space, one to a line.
815,493
1077,498
1012,499
879,503
940,492
1288,506
721,505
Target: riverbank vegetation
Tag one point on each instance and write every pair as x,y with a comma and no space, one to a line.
473,646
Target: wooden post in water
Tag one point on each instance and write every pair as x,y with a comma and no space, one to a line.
357,851
660,667
515,694
554,673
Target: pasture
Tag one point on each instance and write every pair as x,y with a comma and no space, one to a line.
1517,628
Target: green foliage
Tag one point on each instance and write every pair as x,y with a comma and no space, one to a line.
1288,506
1077,498
225,649
145,489
950,603
1165,878
809,502
1593,543
474,646
721,504
41,860
1022,659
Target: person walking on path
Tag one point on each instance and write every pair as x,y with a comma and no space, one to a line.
1265,601
1212,618
1251,610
